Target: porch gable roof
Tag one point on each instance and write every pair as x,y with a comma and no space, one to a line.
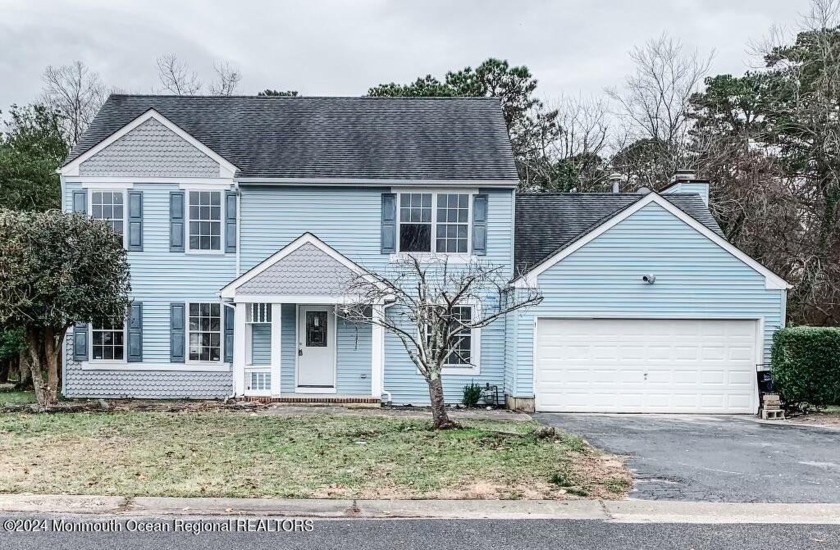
306,266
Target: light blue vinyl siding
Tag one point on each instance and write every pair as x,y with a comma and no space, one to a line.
354,358
288,348
348,219
695,278
261,344
159,277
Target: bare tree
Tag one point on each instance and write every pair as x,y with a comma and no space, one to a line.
435,310
227,79
77,93
176,76
653,102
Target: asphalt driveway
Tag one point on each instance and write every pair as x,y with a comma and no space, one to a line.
715,458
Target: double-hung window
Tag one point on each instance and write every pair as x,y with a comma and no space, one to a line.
109,206
107,343
434,223
462,354
205,332
205,221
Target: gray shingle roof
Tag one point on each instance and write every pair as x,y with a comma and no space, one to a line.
332,137
549,222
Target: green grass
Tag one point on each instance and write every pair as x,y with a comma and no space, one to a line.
221,453
17,398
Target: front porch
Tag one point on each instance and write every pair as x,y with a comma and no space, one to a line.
289,344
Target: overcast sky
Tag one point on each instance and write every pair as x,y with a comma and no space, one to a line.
331,47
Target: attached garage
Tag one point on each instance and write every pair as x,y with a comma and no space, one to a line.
646,308
646,365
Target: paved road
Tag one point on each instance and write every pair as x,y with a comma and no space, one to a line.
456,535
717,459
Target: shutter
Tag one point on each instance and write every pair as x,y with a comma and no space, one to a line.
479,228
230,221
389,223
177,338
228,334
135,333
80,343
176,221
135,221
80,202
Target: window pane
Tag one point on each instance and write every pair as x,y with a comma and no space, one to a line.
415,237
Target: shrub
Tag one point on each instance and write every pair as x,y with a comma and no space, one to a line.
806,366
472,394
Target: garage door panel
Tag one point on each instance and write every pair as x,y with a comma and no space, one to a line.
625,365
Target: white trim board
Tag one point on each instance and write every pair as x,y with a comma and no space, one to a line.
229,291
384,182
226,169
772,281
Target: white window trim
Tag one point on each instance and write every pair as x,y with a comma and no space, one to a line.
117,363
188,219
474,368
110,188
187,360
455,257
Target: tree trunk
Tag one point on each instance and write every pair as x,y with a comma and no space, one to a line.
5,367
51,355
35,356
24,375
440,418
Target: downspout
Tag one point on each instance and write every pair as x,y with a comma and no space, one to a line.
238,225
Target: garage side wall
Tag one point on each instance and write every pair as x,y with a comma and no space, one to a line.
695,279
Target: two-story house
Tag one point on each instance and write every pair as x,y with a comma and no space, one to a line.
244,216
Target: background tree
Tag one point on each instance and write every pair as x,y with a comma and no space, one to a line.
58,269
76,93
277,93
31,149
178,78
427,313
526,117
653,106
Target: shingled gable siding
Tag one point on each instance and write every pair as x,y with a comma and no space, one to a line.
694,277
150,150
348,219
306,271
158,278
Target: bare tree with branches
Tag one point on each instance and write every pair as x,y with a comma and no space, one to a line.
653,105
176,76
435,310
227,79
76,93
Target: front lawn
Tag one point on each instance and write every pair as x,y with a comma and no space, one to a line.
13,398
224,453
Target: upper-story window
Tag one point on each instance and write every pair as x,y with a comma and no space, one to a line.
205,217
109,206
444,228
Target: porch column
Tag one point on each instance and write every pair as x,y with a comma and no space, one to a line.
377,370
239,350
276,355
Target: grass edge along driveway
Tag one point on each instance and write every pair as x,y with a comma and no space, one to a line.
235,454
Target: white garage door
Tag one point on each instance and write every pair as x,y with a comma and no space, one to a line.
636,365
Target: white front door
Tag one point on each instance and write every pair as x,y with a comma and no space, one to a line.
646,365
316,349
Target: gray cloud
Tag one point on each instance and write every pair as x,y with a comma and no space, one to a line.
337,47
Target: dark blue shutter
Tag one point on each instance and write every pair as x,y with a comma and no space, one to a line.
479,228
135,221
176,221
177,337
230,221
135,333
389,223
80,343
229,334
80,202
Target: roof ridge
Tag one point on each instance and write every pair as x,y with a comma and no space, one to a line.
271,97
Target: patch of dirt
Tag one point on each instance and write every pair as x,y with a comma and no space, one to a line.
827,419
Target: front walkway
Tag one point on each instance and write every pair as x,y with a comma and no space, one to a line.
716,458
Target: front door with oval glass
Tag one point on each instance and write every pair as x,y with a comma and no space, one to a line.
316,349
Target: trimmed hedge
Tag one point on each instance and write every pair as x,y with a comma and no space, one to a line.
806,365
